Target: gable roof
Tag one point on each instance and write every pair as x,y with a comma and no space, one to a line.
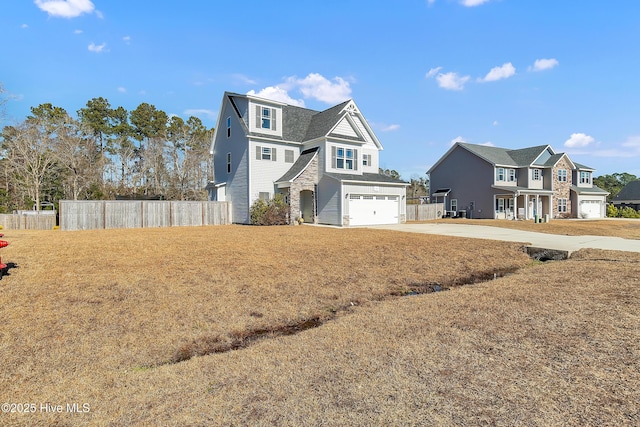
519,158
631,191
301,124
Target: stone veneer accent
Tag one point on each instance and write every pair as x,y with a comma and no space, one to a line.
306,181
561,190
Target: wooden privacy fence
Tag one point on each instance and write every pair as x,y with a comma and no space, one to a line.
425,212
28,222
99,214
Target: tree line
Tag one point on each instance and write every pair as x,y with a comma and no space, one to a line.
104,153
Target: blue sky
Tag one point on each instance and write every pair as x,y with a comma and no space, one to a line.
510,73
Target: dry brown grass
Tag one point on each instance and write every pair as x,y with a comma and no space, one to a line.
93,317
625,228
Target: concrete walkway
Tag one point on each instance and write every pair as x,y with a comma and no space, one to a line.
536,240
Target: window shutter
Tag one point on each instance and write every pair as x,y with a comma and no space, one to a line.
273,119
355,160
273,154
258,152
258,117
333,157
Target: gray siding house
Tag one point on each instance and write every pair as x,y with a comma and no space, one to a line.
325,163
491,182
628,196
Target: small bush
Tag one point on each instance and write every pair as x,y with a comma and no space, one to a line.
612,211
272,212
629,212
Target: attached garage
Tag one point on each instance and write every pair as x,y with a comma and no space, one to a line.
588,203
590,209
367,209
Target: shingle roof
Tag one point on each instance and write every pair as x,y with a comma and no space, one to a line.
367,177
517,158
589,190
631,191
300,165
303,124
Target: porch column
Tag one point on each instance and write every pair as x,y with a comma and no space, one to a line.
515,206
526,206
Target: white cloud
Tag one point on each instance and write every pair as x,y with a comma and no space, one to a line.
488,144
498,73
97,48
122,89
578,140
432,72
430,2
314,86
276,93
495,123
127,39
65,8
318,87
77,32
544,64
472,3
452,81
25,26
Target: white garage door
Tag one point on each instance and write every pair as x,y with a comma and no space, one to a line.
590,209
370,210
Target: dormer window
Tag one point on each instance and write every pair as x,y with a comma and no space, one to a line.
265,117
585,177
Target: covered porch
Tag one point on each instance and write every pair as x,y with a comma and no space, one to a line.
523,203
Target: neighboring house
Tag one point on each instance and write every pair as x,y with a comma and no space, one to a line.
628,196
325,163
492,182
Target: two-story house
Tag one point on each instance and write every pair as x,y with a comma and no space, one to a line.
492,182
325,163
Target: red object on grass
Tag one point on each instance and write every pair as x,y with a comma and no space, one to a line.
3,243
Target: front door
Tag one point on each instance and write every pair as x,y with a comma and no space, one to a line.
306,205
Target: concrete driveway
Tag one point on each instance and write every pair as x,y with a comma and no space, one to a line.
537,240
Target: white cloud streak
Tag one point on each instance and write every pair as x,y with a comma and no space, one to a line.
544,64
473,3
65,8
498,73
97,48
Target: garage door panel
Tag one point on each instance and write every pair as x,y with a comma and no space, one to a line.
590,209
370,210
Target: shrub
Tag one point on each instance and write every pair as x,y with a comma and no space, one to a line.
272,212
629,212
612,211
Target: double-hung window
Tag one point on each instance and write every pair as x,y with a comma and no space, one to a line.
562,205
265,153
228,127
344,158
366,160
562,175
228,162
500,174
265,117
585,177
512,175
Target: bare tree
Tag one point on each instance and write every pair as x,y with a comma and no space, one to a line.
29,156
